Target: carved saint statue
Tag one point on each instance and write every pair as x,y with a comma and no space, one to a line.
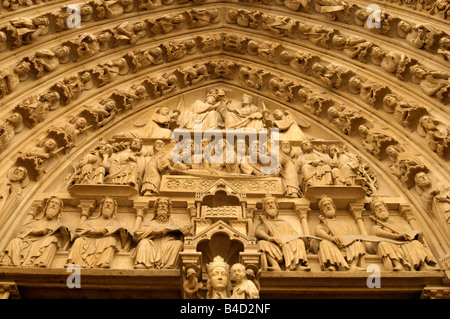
159,239
314,166
11,191
344,165
127,166
99,238
206,111
279,241
412,255
38,240
334,252
247,115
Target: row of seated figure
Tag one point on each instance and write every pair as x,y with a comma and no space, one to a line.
134,164
156,242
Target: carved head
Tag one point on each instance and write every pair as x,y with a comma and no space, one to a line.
106,148
108,207
53,208
286,147
334,150
50,144
306,146
270,206
19,174
379,208
218,278
136,144
246,99
237,272
327,207
278,114
163,209
158,145
339,41
363,130
15,119
444,42
422,180
355,84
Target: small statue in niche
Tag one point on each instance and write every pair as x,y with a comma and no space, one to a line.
278,241
104,111
142,58
161,84
344,166
206,111
334,252
126,167
282,88
194,74
405,113
35,108
165,24
353,46
191,284
218,284
8,81
85,46
279,25
22,31
405,165
253,77
38,159
288,171
436,197
162,123
267,51
99,238
72,86
9,127
160,163
11,191
314,166
289,128
244,288
314,102
375,141
247,115
412,255
105,73
128,98
39,239
345,119
200,18
160,239
299,61
432,82
93,167
129,33
436,134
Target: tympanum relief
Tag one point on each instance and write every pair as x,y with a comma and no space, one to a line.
150,195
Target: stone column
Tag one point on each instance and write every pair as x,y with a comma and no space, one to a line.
141,209
302,211
356,209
